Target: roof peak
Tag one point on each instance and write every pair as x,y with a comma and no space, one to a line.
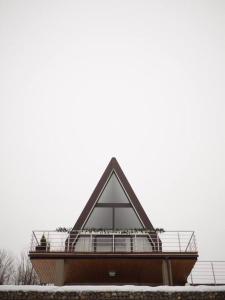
112,166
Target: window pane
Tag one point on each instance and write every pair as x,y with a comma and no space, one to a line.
103,244
122,244
100,218
113,192
126,218
142,244
83,244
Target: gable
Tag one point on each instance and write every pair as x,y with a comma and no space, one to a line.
113,204
113,210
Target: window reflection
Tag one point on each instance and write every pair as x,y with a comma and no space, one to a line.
113,192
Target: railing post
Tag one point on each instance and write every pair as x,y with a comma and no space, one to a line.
135,243
44,233
214,277
47,243
195,245
157,234
178,234
32,242
36,238
91,238
113,242
83,240
68,245
189,245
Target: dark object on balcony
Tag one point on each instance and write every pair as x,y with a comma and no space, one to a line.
43,245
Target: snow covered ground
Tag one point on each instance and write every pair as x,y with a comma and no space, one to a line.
77,288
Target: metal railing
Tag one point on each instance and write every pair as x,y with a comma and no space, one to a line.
207,273
113,241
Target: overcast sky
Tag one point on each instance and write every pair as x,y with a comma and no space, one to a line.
82,81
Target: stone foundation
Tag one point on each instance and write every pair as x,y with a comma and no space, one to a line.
112,295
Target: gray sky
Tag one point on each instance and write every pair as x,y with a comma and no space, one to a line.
82,81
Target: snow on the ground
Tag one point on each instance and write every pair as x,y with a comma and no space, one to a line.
112,288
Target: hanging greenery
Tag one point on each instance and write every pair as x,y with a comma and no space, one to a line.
63,229
110,231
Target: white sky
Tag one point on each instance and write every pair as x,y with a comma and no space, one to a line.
82,81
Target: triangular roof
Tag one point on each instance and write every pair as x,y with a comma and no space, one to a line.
113,166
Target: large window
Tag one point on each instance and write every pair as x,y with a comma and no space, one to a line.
100,218
125,217
113,209
110,243
103,244
142,244
83,244
123,244
113,192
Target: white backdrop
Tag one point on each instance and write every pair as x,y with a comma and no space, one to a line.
82,81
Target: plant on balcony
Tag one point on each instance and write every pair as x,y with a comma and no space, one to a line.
110,231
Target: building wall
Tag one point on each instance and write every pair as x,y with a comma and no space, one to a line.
150,271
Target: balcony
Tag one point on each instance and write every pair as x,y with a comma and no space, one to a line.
113,256
119,241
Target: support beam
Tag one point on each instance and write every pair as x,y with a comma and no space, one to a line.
59,272
170,272
167,272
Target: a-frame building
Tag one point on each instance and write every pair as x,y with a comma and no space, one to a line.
113,242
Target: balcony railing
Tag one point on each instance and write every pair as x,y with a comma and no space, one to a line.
113,241
208,272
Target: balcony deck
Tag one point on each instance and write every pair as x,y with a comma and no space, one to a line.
120,241
113,257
